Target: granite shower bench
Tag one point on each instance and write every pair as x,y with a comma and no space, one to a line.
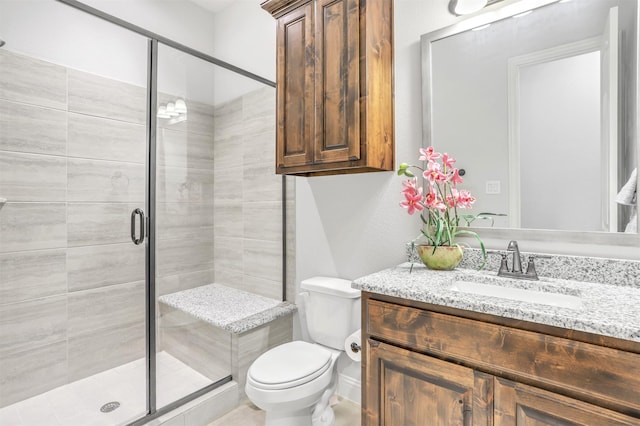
218,330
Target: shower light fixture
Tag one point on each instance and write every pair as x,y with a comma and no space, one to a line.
180,106
171,110
176,111
465,7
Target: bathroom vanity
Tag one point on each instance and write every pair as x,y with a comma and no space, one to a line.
438,353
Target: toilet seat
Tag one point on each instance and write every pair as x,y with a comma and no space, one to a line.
289,365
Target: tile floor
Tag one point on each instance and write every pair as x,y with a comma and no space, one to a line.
347,414
78,403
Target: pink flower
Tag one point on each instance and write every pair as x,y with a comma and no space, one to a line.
433,173
447,161
465,200
428,154
452,199
409,185
413,200
433,200
454,177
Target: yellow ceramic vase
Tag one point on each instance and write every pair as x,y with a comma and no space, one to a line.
443,258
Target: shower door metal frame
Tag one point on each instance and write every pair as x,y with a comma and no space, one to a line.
150,200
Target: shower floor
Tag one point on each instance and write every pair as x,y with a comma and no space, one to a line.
78,403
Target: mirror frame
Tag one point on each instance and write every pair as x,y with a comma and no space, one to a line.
502,11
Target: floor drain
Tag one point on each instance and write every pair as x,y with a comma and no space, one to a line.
109,406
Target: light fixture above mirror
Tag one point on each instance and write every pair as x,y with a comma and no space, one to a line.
465,7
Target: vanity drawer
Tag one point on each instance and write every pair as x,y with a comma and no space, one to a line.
593,373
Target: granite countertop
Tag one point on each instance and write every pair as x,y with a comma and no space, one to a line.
605,309
228,308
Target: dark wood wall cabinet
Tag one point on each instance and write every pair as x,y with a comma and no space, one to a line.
334,90
426,366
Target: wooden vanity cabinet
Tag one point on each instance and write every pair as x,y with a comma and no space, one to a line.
431,365
334,90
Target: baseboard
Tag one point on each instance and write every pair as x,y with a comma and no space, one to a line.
349,388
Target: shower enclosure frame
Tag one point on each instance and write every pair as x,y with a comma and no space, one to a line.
150,289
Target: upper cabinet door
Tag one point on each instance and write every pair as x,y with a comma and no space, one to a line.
295,92
337,87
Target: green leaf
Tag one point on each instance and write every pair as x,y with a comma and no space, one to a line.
477,237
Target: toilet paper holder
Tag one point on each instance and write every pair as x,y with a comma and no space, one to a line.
355,348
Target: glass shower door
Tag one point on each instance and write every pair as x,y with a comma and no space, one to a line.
191,353
72,169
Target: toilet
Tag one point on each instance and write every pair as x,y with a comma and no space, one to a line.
293,382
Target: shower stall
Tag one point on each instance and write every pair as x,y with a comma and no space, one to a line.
135,173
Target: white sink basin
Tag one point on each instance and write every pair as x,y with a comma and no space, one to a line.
525,295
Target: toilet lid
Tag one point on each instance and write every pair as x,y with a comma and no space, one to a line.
290,364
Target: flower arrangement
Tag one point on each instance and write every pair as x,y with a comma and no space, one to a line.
438,200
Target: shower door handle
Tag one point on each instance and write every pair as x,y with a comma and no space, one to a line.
140,213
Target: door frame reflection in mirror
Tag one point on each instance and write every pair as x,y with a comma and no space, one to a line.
497,13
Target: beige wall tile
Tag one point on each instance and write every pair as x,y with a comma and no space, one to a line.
260,104
93,352
33,323
228,218
31,372
32,226
228,154
31,81
228,120
263,259
203,347
32,177
228,186
185,255
228,253
99,266
229,277
99,223
105,181
173,283
29,275
262,220
183,220
105,139
260,183
263,287
184,149
103,97
178,185
91,311
29,128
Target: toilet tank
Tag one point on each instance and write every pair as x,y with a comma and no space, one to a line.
332,310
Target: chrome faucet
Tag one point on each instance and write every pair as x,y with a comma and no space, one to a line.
516,263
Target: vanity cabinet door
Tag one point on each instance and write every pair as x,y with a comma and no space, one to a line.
522,405
406,388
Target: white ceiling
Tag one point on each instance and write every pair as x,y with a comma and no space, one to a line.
213,5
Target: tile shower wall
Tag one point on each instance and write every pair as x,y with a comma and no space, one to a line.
248,203
72,153
185,189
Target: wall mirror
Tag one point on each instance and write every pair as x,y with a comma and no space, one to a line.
538,102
